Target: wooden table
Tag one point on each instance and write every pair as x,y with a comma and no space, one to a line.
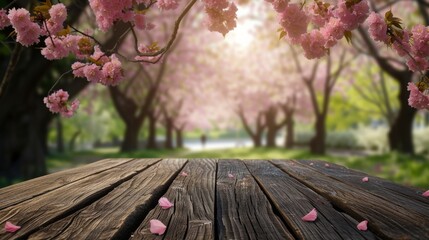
116,198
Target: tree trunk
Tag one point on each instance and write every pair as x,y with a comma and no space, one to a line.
257,140
60,137
270,120
289,139
179,138
151,138
131,136
317,143
401,132
169,133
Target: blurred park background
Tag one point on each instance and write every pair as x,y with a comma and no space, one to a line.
246,95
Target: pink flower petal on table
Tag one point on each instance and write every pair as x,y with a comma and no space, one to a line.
184,174
363,225
164,203
10,227
311,164
157,227
365,179
326,165
311,216
426,194
230,175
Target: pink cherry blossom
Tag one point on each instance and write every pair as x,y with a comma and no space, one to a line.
402,45
313,44
294,20
58,14
57,102
93,73
311,216
417,64
112,72
164,203
326,164
27,31
420,35
377,27
426,194
365,179
167,4
184,174
318,17
157,227
108,12
362,226
221,15
353,16
417,99
55,49
332,32
10,227
4,20
78,69
279,5
230,175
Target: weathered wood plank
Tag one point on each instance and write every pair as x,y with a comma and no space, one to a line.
387,220
243,211
23,191
123,208
294,200
394,193
192,216
54,205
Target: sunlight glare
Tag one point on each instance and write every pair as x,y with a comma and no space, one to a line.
241,36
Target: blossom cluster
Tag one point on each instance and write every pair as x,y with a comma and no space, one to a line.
318,26
103,69
221,15
57,102
109,12
410,44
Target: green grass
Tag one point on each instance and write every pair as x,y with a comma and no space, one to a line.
403,169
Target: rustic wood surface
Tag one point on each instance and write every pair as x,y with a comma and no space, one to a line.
218,199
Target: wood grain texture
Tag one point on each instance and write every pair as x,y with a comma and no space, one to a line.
389,191
115,214
293,200
387,220
23,191
192,216
54,205
243,211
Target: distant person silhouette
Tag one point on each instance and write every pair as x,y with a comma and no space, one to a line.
203,140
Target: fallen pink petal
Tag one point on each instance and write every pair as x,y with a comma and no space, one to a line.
184,174
230,175
311,164
365,179
311,216
426,194
326,165
157,227
164,203
363,225
10,227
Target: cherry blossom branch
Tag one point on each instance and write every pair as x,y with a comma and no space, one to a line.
173,35
87,35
